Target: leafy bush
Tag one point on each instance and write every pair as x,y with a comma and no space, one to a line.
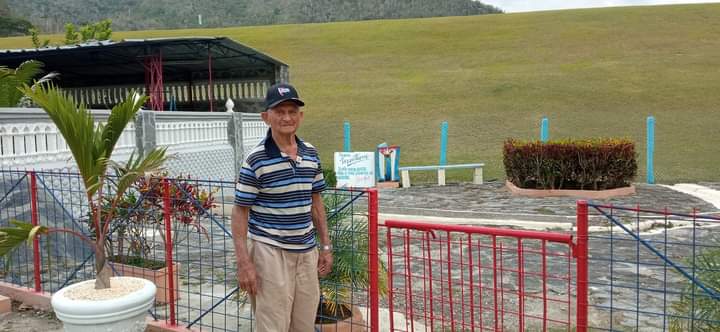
570,164
696,310
330,178
189,203
350,272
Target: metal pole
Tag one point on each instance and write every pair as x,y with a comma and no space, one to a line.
36,241
373,268
443,142
650,149
346,136
211,89
169,251
582,265
544,129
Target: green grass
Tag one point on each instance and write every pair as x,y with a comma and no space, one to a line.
594,72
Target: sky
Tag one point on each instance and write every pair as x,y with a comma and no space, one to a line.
511,6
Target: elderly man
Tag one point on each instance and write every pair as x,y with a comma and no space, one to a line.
278,213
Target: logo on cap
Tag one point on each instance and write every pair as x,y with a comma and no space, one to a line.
283,91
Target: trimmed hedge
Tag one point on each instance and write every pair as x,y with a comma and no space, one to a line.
595,164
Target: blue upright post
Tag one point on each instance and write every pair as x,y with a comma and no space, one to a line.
650,149
443,142
346,130
544,129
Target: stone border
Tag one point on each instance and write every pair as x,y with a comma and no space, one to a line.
589,194
162,326
28,296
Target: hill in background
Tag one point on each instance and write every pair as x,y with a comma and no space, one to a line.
594,72
170,14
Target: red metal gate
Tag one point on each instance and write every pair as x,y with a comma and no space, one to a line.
458,278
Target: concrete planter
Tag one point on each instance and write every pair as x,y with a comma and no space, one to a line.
588,194
159,277
350,324
124,313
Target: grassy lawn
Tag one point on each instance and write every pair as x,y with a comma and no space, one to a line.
595,72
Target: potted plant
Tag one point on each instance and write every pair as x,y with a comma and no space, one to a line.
142,222
350,269
118,303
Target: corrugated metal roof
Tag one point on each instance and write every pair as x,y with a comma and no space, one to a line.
121,62
224,41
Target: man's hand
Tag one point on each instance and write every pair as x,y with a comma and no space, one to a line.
247,278
325,261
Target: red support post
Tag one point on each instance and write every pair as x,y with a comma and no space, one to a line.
374,264
582,265
169,251
36,241
211,87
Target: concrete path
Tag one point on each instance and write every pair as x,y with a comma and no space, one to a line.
705,193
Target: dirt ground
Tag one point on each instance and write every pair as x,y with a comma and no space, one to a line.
27,319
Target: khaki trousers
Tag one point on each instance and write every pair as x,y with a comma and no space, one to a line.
289,292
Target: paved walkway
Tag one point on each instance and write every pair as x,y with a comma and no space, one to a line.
493,201
492,205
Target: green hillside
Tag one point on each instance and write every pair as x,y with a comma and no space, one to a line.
596,72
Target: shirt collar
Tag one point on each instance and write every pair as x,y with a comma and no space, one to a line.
272,149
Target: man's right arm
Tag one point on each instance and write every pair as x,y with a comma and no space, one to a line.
247,277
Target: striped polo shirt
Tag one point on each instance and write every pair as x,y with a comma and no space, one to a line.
279,191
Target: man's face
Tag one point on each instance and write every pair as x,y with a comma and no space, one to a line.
284,118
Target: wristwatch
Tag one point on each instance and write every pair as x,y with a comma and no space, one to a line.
326,247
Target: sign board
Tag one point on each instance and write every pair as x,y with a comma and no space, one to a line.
355,169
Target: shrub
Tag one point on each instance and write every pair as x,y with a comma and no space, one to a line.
570,164
330,179
695,309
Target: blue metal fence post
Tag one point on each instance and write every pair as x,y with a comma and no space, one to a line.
346,131
650,149
443,142
544,129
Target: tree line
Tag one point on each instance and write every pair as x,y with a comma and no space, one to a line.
51,16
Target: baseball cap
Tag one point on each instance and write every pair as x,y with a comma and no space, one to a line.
279,93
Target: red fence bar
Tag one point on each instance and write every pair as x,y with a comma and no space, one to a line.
510,284
169,251
373,259
36,241
582,266
522,234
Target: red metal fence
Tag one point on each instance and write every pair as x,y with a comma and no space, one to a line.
651,270
467,278
182,239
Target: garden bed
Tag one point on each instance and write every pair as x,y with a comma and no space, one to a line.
589,194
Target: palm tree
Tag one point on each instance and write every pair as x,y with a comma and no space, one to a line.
350,259
11,80
91,147
696,309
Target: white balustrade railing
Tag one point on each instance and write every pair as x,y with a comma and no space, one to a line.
183,92
182,130
29,139
254,130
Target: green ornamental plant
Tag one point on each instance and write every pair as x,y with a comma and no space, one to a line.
350,239
91,147
11,80
695,309
142,209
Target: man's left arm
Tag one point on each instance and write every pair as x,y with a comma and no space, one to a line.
325,259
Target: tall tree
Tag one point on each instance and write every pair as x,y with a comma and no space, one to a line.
4,9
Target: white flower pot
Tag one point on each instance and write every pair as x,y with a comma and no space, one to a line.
124,313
